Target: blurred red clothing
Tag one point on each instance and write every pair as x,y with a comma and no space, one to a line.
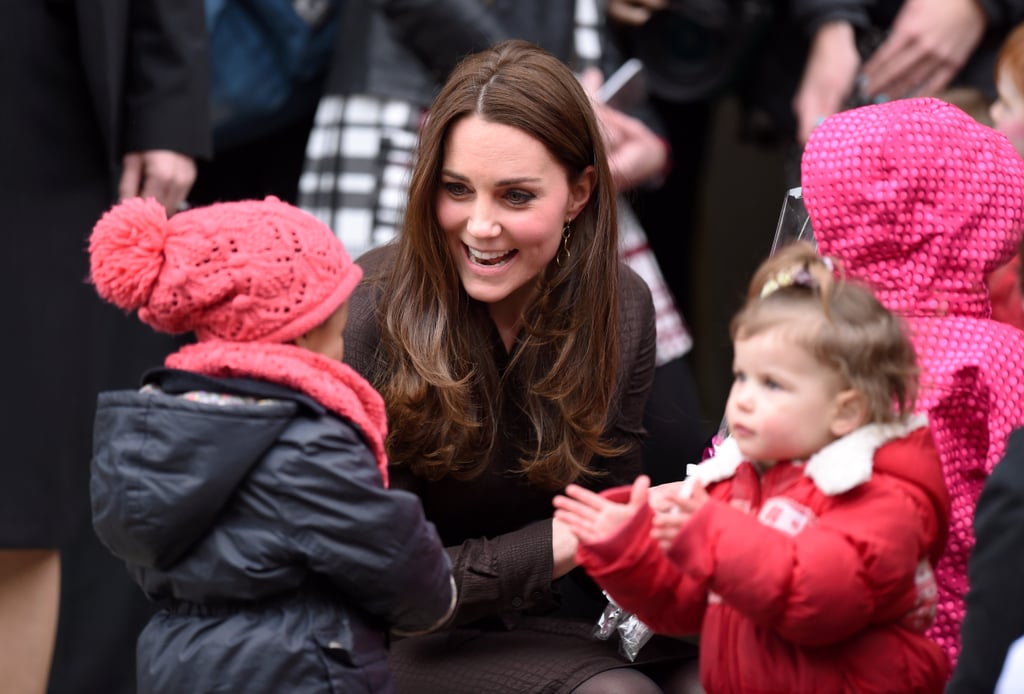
1004,287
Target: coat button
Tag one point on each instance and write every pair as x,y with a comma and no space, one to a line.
517,602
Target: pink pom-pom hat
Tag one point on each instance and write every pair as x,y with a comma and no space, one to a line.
248,271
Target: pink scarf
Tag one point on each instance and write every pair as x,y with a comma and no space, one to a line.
333,384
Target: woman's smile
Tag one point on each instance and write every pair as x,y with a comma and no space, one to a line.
489,258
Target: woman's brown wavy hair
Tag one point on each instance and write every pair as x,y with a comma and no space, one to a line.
442,390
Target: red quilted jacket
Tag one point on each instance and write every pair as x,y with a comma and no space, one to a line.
807,578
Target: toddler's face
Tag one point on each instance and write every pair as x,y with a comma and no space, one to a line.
783,401
326,338
1008,110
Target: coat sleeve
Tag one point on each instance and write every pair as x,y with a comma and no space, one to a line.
855,565
504,575
373,543
994,616
167,79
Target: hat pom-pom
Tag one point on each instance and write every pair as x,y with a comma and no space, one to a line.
126,251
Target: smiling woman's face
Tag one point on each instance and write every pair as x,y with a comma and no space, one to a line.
502,202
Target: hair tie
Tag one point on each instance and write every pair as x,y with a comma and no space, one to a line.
789,278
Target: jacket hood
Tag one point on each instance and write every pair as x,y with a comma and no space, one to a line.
163,467
918,200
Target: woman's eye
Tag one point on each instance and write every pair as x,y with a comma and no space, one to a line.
518,197
456,189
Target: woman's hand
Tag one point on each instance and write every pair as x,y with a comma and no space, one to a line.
928,44
636,155
829,76
634,12
165,175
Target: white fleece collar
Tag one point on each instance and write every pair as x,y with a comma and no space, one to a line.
835,469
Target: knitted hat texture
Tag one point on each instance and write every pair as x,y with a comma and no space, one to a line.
254,270
918,181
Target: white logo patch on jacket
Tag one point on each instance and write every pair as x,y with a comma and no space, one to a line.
785,515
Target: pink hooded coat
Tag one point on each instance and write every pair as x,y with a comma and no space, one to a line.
921,202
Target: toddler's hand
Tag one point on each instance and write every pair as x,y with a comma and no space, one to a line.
663,496
593,518
689,498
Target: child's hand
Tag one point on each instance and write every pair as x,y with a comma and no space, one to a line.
667,523
593,518
663,496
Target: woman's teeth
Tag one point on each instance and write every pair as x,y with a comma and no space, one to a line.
491,259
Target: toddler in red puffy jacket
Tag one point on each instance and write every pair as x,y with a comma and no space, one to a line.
802,551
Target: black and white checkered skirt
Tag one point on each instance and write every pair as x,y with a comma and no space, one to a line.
358,159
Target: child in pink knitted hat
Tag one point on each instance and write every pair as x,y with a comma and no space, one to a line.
921,202
245,485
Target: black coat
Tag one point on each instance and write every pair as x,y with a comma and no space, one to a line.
265,531
995,599
88,80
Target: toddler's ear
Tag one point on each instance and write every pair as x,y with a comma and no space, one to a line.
850,413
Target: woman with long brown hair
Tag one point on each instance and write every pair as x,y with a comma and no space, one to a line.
515,354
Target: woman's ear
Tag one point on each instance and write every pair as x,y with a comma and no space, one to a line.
850,413
580,191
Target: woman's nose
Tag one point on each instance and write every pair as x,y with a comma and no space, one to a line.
482,223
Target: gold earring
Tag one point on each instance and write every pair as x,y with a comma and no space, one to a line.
566,234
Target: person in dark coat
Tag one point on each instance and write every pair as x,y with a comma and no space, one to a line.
515,352
108,99
245,485
994,616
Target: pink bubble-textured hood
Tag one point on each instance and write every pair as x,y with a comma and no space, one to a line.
921,182
921,202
